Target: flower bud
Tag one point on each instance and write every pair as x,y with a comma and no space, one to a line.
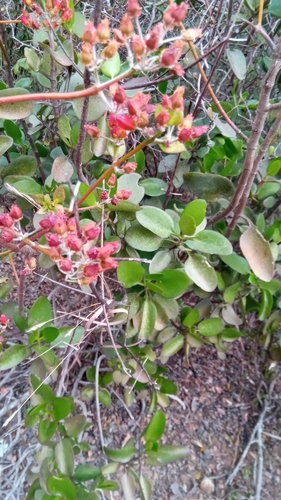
6,220
103,31
114,201
175,14
46,223
143,120
60,227
110,50
118,36
119,95
91,271
52,240
93,253
73,242
123,194
129,167
126,26
87,54
112,180
65,265
30,263
90,33
184,135
25,19
54,254
138,46
49,4
93,131
177,99
133,9
104,196
6,236
35,25
66,15
71,225
152,41
91,231
4,319
163,118
16,212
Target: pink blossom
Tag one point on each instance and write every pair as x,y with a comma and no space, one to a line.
65,265
16,212
6,220
91,231
134,9
52,239
73,242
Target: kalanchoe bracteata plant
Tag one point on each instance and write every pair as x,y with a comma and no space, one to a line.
132,186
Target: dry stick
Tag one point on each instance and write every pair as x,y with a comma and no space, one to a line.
6,59
214,97
250,166
247,188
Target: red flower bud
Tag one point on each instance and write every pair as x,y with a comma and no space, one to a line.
184,135
25,19
46,223
175,14
110,50
73,242
108,263
7,236
129,167
3,319
123,194
87,54
91,231
133,9
65,265
108,248
125,122
67,15
35,25
118,36
163,118
52,240
114,201
104,195
143,120
6,220
71,225
177,99
119,95
112,180
93,253
126,26
152,41
54,254
90,33
103,31
60,227
138,47
138,103
93,131
16,212
91,271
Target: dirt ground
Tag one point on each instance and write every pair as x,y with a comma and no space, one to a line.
220,403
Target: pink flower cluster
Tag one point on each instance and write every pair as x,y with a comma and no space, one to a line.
7,222
73,252
58,11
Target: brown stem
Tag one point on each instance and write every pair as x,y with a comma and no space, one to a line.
117,163
82,132
35,150
21,291
171,182
53,76
6,59
251,163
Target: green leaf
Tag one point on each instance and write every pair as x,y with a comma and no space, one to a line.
258,253
64,129
201,272
86,473
156,427
274,166
75,425
43,390
61,408
15,110
172,282
61,486
6,288
50,334
69,335
168,454
78,27
197,210
5,142
154,186
145,488
211,187
230,334
156,220
90,201
97,107
231,292
160,261
62,169
106,484
40,313
46,431
128,484
23,165
26,186
237,62
274,8
12,356
65,457
191,318
123,455
104,398
130,273
187,224
268,189
99,145
237,263
147,319
210,242
32,58
210,327
141,238
172,346
111,67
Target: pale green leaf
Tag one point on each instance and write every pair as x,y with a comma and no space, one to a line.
156,220
15,110
12,356
201,272
258,253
